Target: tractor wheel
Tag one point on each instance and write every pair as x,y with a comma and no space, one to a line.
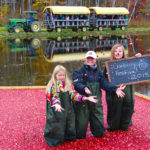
35,26
35,43
84,29
100,28
58,30
17,29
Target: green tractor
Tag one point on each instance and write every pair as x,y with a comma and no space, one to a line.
29,25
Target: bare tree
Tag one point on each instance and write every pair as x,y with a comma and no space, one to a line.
55,2
129,4
29,4
21,8
78,2
97,3
14,4
147,7
113,3
89,3
106,3
6,5
1,6
120,3
133,9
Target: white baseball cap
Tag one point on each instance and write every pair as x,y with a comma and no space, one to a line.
91,54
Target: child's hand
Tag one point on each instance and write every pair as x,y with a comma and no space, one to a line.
138,55
91,99
120,93
57,107
87,91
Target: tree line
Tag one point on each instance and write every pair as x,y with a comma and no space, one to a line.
15,8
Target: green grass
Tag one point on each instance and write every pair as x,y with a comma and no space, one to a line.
69,33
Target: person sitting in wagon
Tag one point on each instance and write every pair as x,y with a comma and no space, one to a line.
30,18
47,15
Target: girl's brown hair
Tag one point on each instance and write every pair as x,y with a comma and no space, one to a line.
114,48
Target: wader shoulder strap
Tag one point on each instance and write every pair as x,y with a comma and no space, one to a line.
51,105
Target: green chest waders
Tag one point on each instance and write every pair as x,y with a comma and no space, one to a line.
120,110
114,107
60,126
96,111
127,107
87,111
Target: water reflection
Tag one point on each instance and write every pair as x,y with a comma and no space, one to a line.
31,61
18,59
54,48
29,45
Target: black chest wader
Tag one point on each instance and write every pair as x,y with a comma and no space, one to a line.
88,111
60,126
132,88
120,110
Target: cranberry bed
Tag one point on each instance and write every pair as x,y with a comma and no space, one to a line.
22,122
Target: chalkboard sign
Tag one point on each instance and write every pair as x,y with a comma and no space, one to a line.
129,70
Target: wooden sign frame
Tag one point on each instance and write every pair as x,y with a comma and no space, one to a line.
107,63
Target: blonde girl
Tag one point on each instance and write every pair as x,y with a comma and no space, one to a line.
60,119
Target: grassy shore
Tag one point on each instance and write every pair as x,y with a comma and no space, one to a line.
69,33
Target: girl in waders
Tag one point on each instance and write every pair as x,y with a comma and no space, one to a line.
60,119
119,110
88,80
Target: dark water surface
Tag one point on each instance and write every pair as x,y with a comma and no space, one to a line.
26,62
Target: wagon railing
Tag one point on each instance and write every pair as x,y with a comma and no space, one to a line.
111,22
67,23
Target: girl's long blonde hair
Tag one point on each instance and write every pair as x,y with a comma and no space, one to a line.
114,48
53,82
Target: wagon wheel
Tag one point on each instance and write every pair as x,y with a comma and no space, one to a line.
84,29
84,38
58,29
35,26
123,28
17,29
100,28
58,38
35,43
